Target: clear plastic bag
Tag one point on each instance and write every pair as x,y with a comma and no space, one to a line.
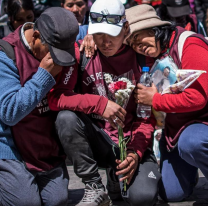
185,77
163,73
172,82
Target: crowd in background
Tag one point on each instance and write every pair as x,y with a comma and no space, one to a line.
191,15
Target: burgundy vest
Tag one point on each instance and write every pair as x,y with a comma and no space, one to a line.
93,83
35,135
176,122
193,20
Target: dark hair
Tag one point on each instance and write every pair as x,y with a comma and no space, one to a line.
167,67
63,1
163,34
14,6
162,12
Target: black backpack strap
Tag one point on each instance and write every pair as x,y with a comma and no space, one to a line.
8,50
84,61
81,67
141,59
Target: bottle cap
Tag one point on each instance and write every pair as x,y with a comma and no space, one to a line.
145,69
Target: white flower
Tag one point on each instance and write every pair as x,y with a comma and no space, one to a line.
123,93
108,78
119,99
125,80
128,91
122,96
131,87
129,84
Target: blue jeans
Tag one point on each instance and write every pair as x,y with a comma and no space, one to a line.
179,167
20,187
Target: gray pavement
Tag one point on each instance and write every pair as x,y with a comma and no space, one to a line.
198,198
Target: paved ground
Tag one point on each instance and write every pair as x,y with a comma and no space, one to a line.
198,198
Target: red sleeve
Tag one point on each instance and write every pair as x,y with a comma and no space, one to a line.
142,135
86,103
62,97
195,53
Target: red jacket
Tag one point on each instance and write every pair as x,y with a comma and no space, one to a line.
63,97
191,105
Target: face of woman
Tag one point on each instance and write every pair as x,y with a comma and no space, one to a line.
78,7
143,42
22,17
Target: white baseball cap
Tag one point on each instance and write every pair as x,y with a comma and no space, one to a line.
107,7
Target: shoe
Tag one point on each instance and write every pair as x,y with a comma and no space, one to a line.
113,185
95,196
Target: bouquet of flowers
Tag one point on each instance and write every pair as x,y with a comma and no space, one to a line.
120,92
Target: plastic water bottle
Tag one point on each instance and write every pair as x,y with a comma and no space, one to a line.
144,111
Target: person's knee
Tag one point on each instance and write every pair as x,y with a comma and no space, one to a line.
25,196
145,199
172,195
59,199
66,125
66,118
28,199
188,146
191,143
34,202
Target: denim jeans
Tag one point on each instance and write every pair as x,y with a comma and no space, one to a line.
20,187
179,167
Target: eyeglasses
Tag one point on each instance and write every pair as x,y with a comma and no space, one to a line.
110,19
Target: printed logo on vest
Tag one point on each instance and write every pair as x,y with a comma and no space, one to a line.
151,175
43,106
99,89
68,75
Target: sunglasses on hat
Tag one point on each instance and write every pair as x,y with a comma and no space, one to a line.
110,19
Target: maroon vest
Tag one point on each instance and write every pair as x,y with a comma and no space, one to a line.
93,83
193,20
35,134
176,122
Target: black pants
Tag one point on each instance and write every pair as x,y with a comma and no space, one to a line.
89,147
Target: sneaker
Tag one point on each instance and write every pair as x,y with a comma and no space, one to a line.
95,196
113,185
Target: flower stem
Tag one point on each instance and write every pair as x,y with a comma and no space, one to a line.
122,147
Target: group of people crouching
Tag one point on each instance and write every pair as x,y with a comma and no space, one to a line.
51,106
